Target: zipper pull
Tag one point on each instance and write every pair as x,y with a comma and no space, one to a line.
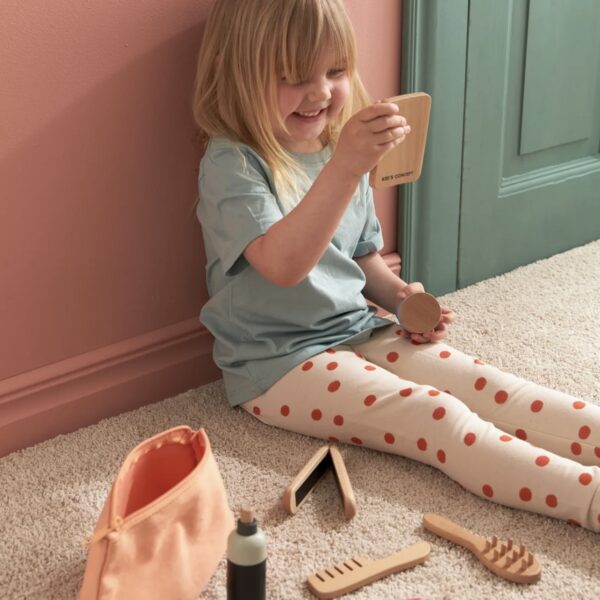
113,529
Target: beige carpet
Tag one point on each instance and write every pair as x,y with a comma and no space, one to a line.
540,321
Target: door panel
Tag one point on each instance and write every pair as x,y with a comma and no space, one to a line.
561,65
531,162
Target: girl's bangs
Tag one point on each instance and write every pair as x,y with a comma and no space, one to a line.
306,35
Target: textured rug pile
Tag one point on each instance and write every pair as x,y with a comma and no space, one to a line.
539,322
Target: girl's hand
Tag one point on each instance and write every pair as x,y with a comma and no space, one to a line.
441,329
367,136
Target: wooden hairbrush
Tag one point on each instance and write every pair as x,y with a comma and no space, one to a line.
353,573
502,557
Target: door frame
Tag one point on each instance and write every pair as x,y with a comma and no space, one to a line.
434,60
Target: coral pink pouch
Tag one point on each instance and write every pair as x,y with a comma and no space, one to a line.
164,526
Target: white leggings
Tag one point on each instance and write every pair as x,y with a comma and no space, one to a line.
500,437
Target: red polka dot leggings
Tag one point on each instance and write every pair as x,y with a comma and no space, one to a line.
499,436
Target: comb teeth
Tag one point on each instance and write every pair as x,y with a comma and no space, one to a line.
341,568
355,572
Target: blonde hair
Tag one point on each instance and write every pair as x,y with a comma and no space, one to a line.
248,46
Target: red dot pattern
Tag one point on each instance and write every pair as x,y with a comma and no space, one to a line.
584,432
536,406
480,383
501,397
470,439
334,386
439,413
370,400
525,493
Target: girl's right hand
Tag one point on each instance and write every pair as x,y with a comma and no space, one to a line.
367,136
440,331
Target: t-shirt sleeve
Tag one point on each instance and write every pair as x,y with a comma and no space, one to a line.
236,204
371,239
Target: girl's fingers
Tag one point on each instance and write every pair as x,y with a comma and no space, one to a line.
377,110
448,316
387,122
389,135
417,337
439,333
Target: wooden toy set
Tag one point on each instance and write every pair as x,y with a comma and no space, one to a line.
502,557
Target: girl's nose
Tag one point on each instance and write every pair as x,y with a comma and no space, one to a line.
319,93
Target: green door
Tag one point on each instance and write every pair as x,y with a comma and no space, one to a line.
512,168
531,162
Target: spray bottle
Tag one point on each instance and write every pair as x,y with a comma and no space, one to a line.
246,560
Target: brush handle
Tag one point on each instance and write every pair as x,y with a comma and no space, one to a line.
451,531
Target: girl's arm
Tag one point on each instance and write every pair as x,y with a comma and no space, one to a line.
382,286
387,290
290,248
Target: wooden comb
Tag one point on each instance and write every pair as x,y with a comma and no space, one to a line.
502,557
353,573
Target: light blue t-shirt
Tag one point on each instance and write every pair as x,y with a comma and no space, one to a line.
261,330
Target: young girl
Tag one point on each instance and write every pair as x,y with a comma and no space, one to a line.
292,244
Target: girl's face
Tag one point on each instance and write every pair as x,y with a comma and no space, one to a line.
307,107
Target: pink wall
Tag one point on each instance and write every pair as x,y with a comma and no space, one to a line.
379,39
98,238
100,252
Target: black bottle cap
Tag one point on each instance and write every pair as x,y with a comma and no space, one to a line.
247,523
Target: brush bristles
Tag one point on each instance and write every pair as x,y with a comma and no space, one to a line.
509,551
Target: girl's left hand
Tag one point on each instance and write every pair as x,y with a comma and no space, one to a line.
441,329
